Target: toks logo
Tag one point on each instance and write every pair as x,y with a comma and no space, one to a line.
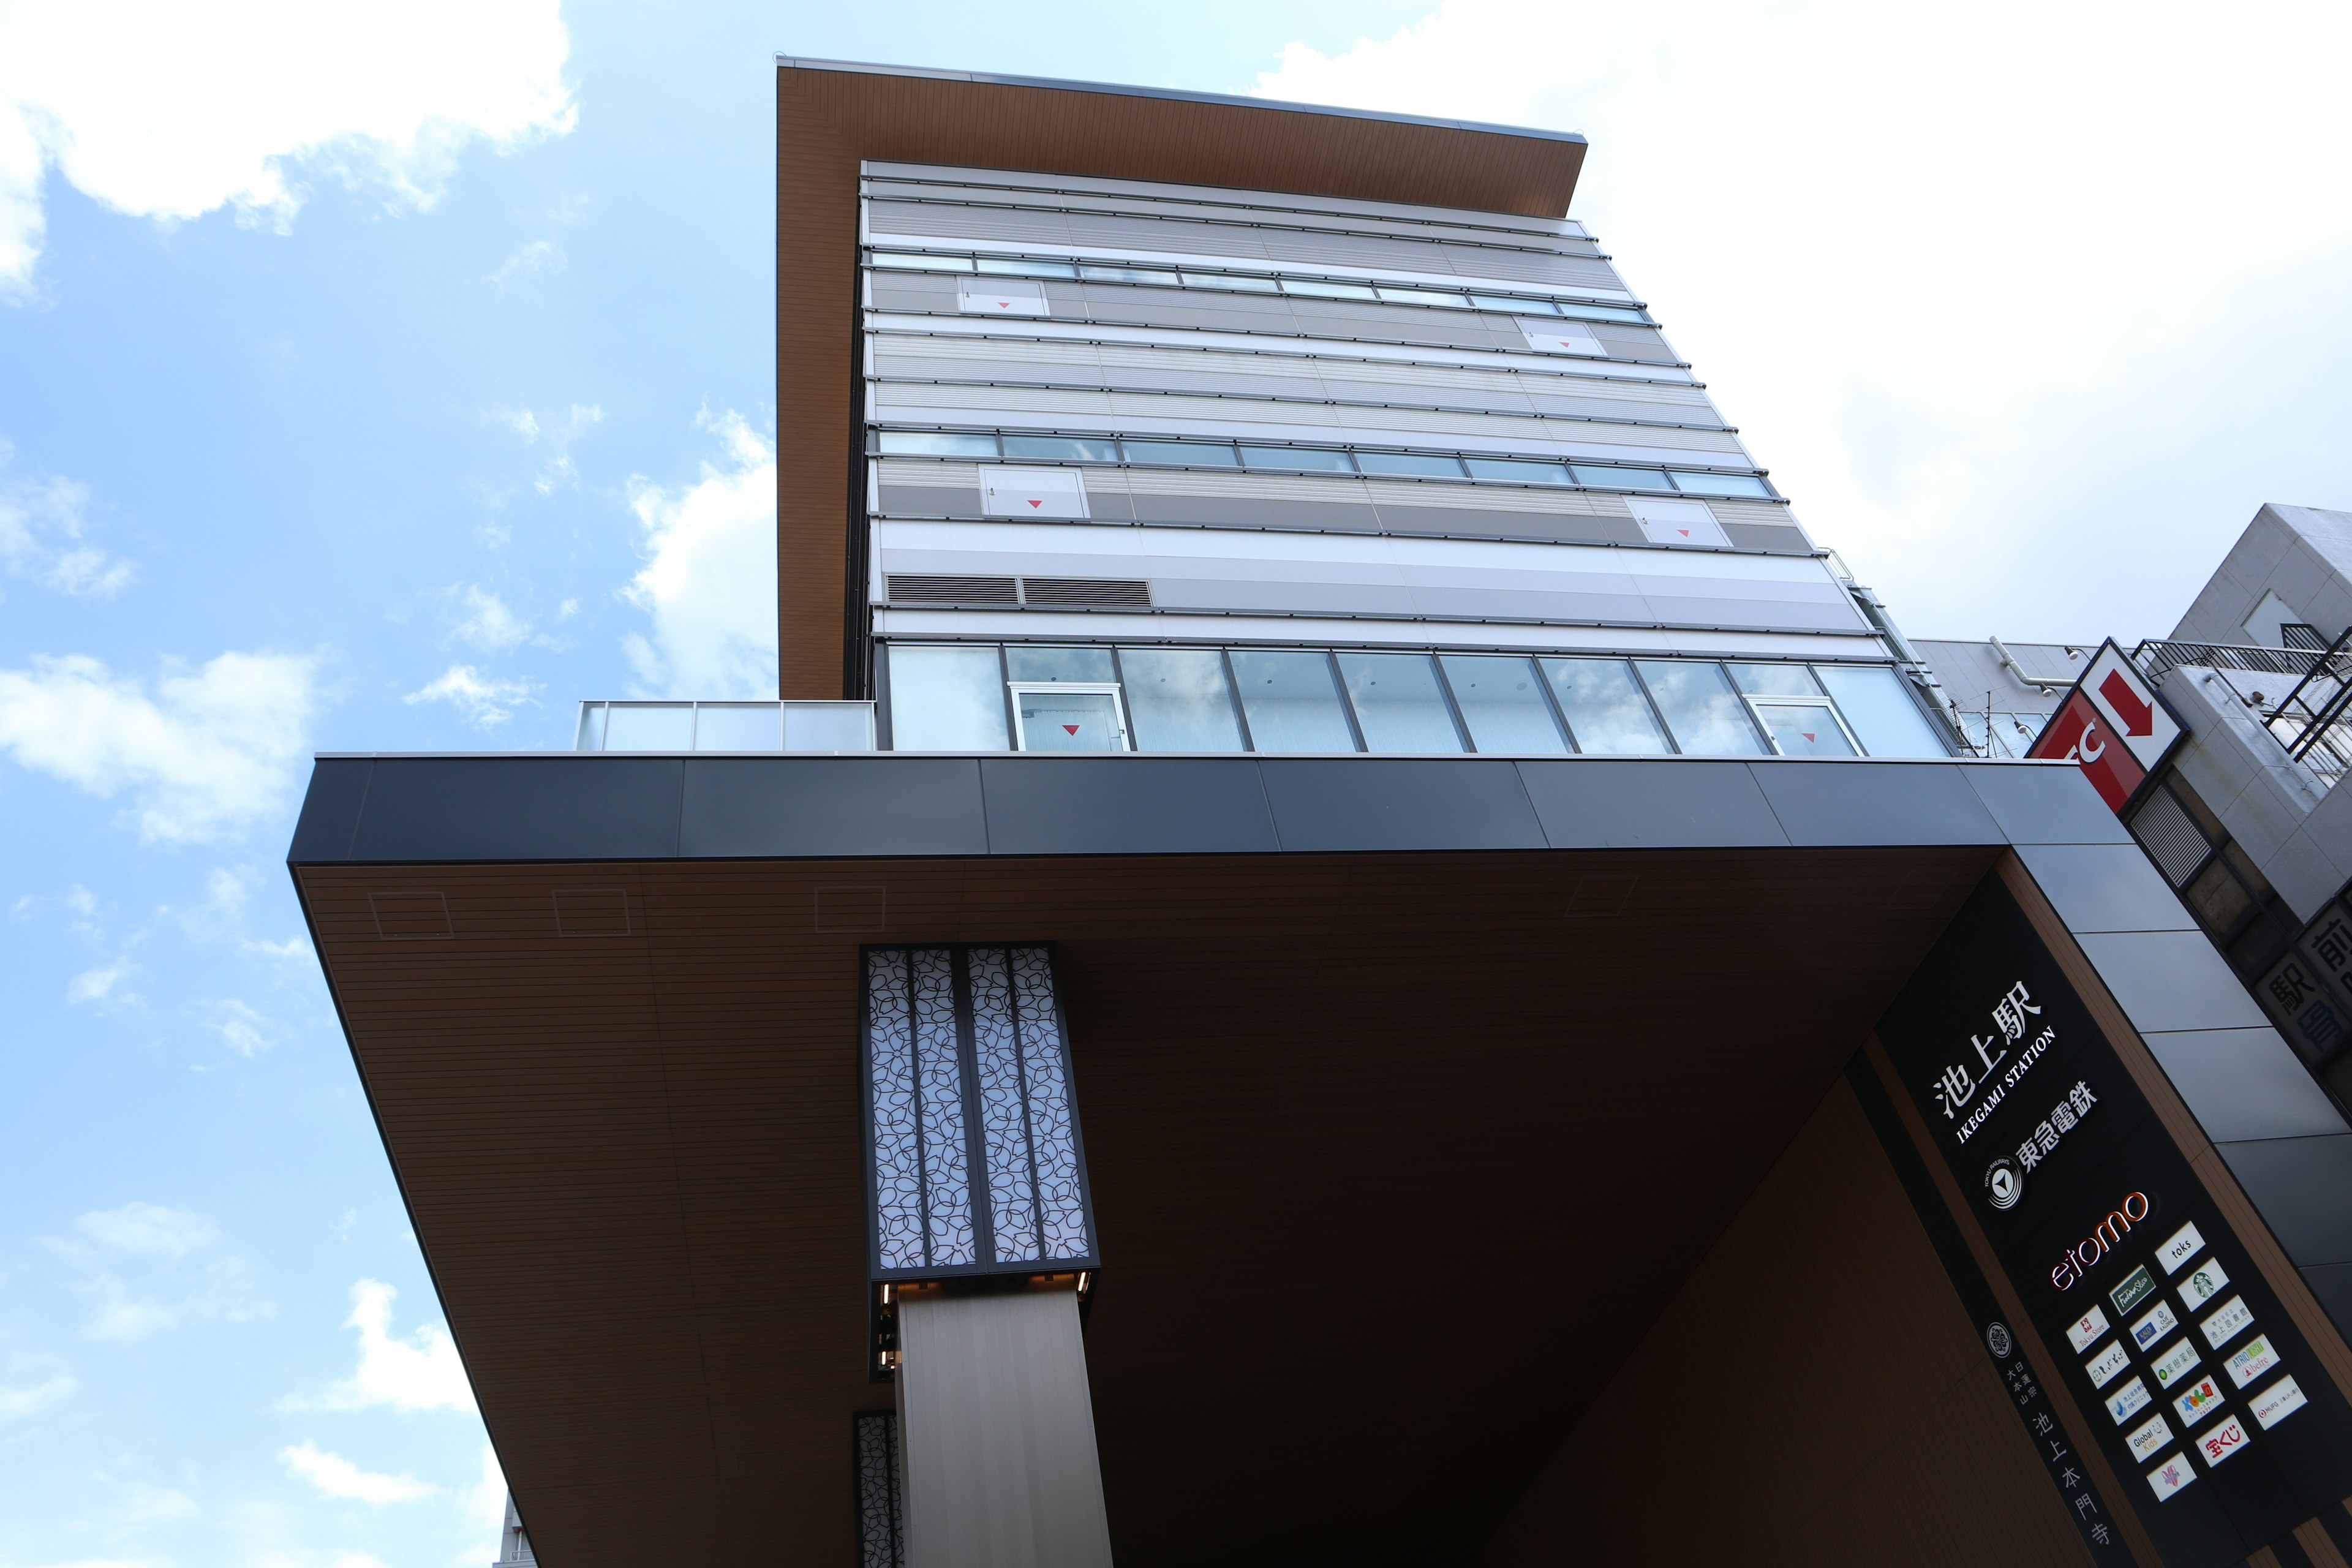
2085,1254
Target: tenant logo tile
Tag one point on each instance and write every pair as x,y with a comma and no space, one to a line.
2086,1328
2169,1367
1562,337
2170,1477
1032,492
2178,1248
2135,1288
2255,1357
2203,1398
2155,1326
2108,1364
2204,1283
2223,1325
2148,1439
2220,1443
1000,296
2276,1402
2129,1401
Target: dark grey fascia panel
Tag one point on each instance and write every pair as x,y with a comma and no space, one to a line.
1125,89
562,806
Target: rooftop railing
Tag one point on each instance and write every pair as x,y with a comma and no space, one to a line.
785,726
2308,707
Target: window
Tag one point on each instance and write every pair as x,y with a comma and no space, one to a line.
1061,448
1622,479
1424,297
1723,485
1805,728
1291,701
1009,268
1502,704
1667,522
1231,281
905,261
1129,275
1322,290
1197,452
990,297
1416,463
1518,306
1563,338
1600,313
1399,703
1050,664
1703,713
1068,718
1303,459
1518,470
947,700
1885,719
1605,707
1032,492
1774,679
936,443
1179,699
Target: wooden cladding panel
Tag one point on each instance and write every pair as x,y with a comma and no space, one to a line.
827,121
1348,1117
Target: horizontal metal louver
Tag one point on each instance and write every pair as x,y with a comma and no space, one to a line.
2171,840
940,588
1124,592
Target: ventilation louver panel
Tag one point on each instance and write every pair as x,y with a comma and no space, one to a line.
1113,591
2173,841
940,588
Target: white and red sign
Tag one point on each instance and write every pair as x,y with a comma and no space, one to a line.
1562,338
1000,296
2276,1402
1677,521
1032,492
2170,1477
2113,726
2220,1442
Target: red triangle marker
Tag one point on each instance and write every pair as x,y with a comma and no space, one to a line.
1036,503
1683,532
1073,728
1808,734
1004,304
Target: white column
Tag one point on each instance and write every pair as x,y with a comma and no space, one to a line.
996,1433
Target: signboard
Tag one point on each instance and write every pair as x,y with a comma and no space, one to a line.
2114,725
1030,492
2308,993
2169,1337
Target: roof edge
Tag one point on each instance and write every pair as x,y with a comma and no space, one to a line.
1060,84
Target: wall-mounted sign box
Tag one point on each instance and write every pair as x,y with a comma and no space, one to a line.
2114,725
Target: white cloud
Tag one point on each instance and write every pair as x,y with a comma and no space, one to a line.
419,1373
485,700
538,256
241,1027
102,985
149,1230
561,434
209,754
230,105
479,617
337,1476
33,1384
44,524
709,577
2027,332
486,1505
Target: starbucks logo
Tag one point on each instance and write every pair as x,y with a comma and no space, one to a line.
1997,1341
2004,1184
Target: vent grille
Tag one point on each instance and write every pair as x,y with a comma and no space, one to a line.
2172,840
1118,591
940,588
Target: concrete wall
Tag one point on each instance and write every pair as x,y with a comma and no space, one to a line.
2300,553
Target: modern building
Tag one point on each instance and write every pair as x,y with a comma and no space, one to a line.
1345,943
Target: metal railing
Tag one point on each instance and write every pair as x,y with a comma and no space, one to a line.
2312,719
788,726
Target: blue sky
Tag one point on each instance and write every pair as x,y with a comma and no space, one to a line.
379,377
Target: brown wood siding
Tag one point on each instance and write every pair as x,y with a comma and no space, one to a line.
827,121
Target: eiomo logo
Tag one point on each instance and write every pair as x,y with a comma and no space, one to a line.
2086,1254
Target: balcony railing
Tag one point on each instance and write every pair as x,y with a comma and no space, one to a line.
790,726
2307,705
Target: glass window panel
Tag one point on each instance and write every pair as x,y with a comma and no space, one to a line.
1805,728
1305,459
1231,281
1196,453
1291,701
1502,704
937,444
1722,485
1424,297
1706,717
1622,478
828,727
1411,463
905,261
1605,707
1517,469
1090,664
1399,704
650,726
1596,312
1516,306
1179,699
591,727
1129,275
1885,719
738,727
947,700
1774,679
1061,448
1322,290
1054,720
1008,267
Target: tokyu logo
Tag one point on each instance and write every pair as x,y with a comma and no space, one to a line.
2085,1255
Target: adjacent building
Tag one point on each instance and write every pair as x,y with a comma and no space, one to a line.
1345,943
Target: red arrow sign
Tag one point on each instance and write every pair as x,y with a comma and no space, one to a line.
2138,717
